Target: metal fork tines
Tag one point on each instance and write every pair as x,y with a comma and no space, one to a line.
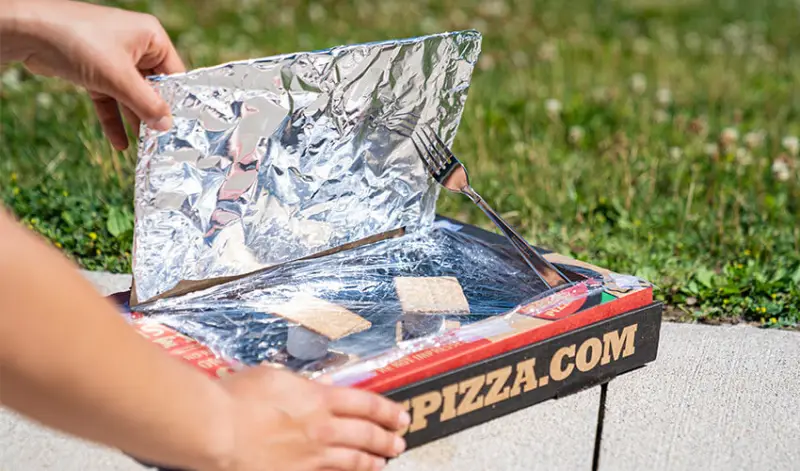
449,172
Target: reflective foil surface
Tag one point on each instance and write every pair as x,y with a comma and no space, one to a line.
235,320
237,323
275,159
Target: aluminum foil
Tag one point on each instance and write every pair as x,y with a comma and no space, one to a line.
275,159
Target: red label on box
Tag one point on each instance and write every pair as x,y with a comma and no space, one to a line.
189,350
558,305
431,361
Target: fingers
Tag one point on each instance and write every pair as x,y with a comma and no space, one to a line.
160,55
133,121
133,91
171,62
139,100
364,436
365,405
348,459
111,121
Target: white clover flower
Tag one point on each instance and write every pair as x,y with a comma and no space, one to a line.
675,153
734,32
576,134
754,139
44,100
711,149
286,17
791,144
486,62
664,96
744,157
660,116
553,107
693,41
780,169
765,52
11,79
519,58
316,12
548,51
638,83
729,136
429,23
494,8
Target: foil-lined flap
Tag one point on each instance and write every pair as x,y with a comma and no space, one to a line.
277,159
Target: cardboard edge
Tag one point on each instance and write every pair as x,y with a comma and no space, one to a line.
479,392
189,286
449,357
495,387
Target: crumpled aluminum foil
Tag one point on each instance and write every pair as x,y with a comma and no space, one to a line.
275,159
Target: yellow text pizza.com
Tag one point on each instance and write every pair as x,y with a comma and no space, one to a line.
491,388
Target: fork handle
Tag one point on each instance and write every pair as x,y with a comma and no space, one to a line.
549,274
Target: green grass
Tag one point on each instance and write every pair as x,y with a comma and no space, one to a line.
649,136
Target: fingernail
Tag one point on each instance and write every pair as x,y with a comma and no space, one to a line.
163,124
399,445
380,463
404,419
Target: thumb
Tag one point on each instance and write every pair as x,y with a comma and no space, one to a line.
134,92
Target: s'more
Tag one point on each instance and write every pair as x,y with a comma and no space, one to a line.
424,301
319,322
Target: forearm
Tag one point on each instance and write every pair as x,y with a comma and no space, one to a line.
69,360
18,26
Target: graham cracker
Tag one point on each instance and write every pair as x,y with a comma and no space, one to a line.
431,295
322,317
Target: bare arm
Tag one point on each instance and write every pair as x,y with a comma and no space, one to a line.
106,50
69,360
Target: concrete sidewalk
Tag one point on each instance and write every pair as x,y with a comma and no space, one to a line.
716,398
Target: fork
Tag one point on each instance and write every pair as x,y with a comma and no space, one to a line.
449,172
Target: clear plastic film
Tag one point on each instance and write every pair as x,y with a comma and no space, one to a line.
236,322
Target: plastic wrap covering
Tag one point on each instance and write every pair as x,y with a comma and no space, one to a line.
275,159
236,321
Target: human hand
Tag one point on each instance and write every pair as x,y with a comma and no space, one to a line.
106,50
283,421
